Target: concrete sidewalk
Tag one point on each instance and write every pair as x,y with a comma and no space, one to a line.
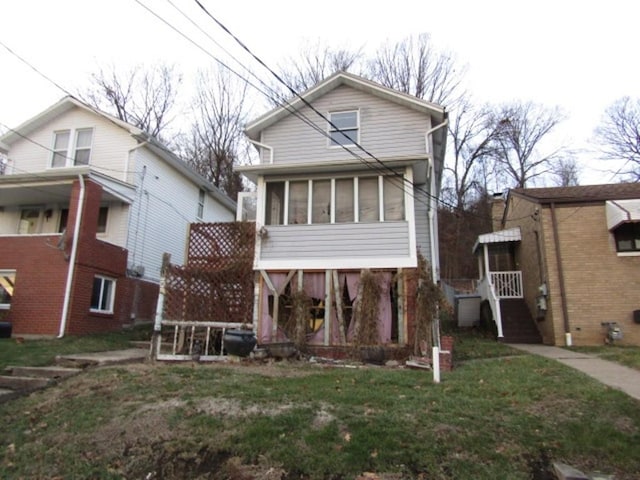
83,360
610,373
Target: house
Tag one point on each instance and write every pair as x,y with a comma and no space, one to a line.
347,181
572,256
88,206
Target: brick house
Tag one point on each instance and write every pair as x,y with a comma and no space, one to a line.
572,255
88,206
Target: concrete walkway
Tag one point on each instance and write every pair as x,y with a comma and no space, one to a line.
610,373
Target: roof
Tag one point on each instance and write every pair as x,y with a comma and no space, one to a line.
69,102
254,128
501,236
622,211
583,193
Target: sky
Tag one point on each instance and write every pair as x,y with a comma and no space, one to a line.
578,55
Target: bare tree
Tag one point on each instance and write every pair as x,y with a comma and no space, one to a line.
472,137
522,129
215,142
315,62
619,135
143,96
414,66
565,171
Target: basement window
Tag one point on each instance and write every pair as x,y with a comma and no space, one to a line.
103,294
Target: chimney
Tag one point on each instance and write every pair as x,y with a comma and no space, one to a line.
498,204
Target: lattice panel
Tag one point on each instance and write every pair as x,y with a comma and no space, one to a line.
217,283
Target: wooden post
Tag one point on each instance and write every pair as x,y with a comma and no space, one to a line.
402,323
327,307
337,290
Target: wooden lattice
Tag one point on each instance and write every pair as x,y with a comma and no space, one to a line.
216,284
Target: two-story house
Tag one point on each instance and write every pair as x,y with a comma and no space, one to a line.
347,180
88,206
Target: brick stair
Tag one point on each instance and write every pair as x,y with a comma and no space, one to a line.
518,325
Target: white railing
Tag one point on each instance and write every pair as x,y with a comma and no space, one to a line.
487,292
507,284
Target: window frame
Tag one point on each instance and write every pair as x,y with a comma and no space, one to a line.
111,294
3,273
72,148
628,231
380,182
201,201
331,130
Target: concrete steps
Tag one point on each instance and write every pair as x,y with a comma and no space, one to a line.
18,380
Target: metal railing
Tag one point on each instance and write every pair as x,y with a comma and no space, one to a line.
507,284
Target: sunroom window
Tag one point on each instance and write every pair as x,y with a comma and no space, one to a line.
343,128
334,200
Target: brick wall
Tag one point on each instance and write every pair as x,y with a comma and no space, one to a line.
600,286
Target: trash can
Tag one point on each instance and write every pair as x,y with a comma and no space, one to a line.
239,342
5,329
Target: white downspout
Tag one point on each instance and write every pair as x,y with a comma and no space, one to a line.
72,260
432,200
265,146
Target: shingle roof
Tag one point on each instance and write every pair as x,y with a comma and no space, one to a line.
583,193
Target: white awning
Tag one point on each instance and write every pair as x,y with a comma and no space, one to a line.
622,211
501,236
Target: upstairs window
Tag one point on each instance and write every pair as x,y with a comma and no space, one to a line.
343,128
103,214
7,282
628,237
72,147
200,212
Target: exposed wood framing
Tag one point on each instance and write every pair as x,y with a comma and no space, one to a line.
402,324
337,289
327,307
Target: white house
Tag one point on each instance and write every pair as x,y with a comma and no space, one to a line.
88,206
347,180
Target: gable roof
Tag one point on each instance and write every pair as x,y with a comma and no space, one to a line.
69,102
582,193
254,128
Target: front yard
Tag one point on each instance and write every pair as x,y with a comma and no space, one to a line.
497,415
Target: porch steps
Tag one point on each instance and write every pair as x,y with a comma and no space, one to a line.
22,380
518,325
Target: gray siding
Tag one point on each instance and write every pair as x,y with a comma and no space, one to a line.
340,240
421,209
386,129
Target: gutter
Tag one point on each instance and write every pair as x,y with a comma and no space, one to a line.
72,260
563,293
265,146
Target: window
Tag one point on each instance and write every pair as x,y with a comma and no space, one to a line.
60,146
344,200
64,218
393,198
314,201
103,213
298,202
72,147
30,221
7,284
368,207
628,237
102,295
200,212
343,128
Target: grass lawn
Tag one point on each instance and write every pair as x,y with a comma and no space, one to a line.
624,355
498,415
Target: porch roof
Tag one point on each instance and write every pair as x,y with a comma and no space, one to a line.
500,236
54,186
622,211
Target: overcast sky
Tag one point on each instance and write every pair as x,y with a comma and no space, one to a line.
579,55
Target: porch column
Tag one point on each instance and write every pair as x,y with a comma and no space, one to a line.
485,251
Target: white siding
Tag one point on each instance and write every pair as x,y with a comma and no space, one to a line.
386,129
117,221
421,202
166,203
337,245
110,144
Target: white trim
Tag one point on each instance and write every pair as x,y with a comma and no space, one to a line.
309,202
381,198
410,214
334,205
337,263
356,194
112,295
629,254
285,209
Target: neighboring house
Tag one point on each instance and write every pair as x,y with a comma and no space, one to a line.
88,206
347,180
573,255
